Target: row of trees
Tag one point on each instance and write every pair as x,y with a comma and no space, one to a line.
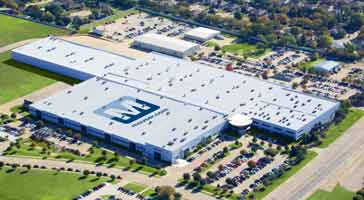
282,25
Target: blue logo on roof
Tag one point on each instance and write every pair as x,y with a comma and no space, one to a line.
127,109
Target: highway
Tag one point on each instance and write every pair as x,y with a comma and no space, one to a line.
327,165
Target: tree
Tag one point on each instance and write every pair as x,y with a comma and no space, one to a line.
325,41
77,22
358,197
197,177
186,177
165,192
203,182
237,15
177,196
48,17
356,21
252,163
131,163
225,150
33,11
77,136
86,172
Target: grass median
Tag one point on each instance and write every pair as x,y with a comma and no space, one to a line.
135,187
339,193
31,148
336,130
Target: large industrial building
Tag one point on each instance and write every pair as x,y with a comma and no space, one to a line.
164,106
167,45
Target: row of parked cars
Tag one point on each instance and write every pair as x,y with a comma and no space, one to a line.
46,132
260,181
204,150
126,191
227,168
250,171
88,192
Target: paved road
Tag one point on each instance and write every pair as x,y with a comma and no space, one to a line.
326,165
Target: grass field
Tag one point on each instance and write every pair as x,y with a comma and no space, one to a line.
118,14
43,185
244,49
310,156
25,149
135,187
308,66
17,79
14,30
337,130
339,193
149,193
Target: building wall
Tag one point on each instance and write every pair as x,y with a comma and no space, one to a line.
172,52
200,39
63,70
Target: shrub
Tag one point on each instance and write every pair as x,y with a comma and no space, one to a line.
271,152
162,172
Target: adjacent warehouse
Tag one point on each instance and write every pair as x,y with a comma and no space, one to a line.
327,67
126,100
167,45
201,34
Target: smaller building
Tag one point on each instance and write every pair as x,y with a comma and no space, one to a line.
240,123
201,34
328,67
100,30
166,45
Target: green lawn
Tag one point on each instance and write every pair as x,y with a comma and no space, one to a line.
245,49
14,30
339,193
25,149
43,185
118,14
308,66
211,43
337,130
309,156
17,79
149,193
135,187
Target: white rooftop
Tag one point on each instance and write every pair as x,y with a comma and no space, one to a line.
328,65
74,56
165,42
186,87
96,102
201,32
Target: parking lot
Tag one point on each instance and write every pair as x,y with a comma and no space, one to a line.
281,66
61,140
131,26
